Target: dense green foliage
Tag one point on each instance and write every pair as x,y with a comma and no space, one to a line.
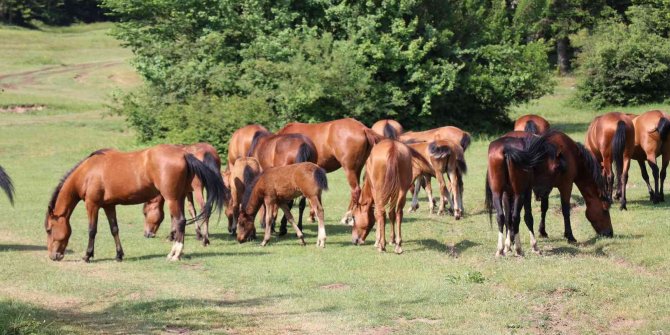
425,63
52,12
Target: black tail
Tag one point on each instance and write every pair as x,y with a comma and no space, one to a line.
488,202
248,175
211,162
663,128
212,182
438,151
321,179
390,132
6,185
465,141
531,127
460,160
534,152
254,142
306,153
618,146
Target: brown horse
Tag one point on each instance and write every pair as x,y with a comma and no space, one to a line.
6,185
611,138
388,175
531,123
342,143
443,133
242,173
153,210
107,178
445,157
240,142
388,128
274,189
651,140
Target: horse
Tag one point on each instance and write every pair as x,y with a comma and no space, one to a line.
611,137
242,173
275,150
512,161
240,142
531,123
107,178
651,140
443,133
388,175
6,185
274,189
153,209
388,128
344,143
445,157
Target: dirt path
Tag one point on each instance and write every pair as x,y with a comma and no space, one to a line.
14,81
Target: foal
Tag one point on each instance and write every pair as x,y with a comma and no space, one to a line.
242,173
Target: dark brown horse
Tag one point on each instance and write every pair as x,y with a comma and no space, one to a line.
274,189
240,142
388,175
241,174
611,138
531,123
153,210
6,185
651,140
107,178
443,133
342,143
388,128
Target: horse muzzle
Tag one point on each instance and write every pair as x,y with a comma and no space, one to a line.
607,233
149,234
56,256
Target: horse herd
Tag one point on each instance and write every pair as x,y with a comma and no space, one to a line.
266,171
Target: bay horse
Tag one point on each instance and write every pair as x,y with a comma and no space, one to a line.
153,209
107,178
344,143
512,162
240,142
651,140
450,133
242,173
274,189
531,123
6,185
611,138
444,156
388,175
388,128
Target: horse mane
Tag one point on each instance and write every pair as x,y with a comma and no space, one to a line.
591,166
254,142
56,192
249,186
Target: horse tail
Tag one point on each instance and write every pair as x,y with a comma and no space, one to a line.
306,153
372,137
438,151
534,152
212,181
6,185
254,142
321,179
390,132
530,127
391,179
465,141
488,202
619,145
663,128
212,162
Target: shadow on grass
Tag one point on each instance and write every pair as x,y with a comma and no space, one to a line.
22,247
193,255
455,250
582,248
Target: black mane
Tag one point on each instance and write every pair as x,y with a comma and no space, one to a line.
248,190
592,166
54,195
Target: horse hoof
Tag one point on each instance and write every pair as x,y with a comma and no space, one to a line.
282,232
543,234
302,241
571,240
119,259
86,259
500,253
264,243
205,242
398,250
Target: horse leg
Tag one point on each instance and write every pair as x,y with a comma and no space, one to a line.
178,220
398,223
528,219
624,181
415,195
516,221
500,219
315,203
645,176
110,212
544,206
204,225
565,209
190,206
651,159
664,167
380,217
508,205
443,193
429,192
609,177
392,214
353,177
301,209
289,217
270,216
284,220
92,212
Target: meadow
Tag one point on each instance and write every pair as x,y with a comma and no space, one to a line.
447,280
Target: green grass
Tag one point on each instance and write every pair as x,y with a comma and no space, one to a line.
447,281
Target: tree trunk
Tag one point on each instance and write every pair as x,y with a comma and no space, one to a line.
562,46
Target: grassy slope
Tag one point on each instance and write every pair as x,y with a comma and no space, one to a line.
447,281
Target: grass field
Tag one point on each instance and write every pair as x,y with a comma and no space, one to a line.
447,281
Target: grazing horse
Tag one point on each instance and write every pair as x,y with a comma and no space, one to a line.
107,178
445,157
443,133
611,138
651,140
242,173
274,189
510,178
531,123
388,128
240,142
6,185
388,175
342,143
153,210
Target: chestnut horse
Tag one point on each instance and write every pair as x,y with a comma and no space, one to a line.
107,178
274,189
242,173
153,210
512,161
388,175
443,133
531,123
388,128
240,142
445,157
651,140
6,185
611,138
342,143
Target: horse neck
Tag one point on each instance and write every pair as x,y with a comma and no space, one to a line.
366,191
68,198
255,200
589,189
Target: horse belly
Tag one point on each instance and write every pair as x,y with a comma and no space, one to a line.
128,192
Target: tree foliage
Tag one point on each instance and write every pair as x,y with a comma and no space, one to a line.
51,12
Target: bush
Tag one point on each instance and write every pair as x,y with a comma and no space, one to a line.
51,12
